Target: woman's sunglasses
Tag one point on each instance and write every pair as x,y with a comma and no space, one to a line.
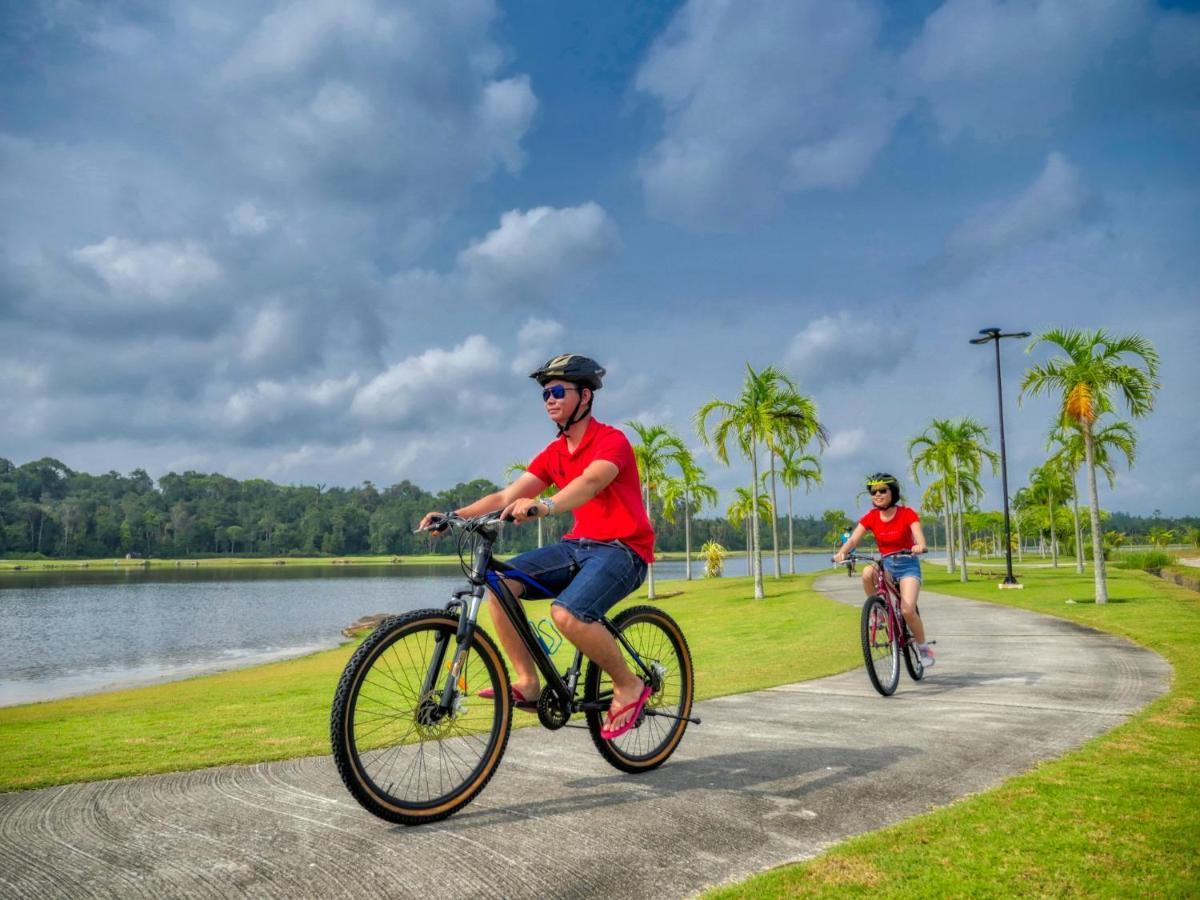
875,491
556,391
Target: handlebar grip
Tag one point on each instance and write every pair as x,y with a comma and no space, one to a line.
531,512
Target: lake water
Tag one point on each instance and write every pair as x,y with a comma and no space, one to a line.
66,633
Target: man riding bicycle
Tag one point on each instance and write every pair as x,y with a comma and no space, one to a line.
602,559
896,528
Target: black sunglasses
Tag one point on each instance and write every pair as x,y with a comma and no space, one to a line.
556,391
882,490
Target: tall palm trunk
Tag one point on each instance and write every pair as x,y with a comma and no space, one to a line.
1053,531
650,568
774,516
539,524
791,543
687,534
1094,508
949,523
1075,521
756,550
962,540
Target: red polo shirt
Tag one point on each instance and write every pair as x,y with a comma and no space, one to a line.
617,513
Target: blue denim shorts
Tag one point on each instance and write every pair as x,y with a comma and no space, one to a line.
586,577
902,567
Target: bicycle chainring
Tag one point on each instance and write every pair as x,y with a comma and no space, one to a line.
552,712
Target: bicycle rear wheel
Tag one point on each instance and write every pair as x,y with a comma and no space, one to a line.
398,755
661,647
880,646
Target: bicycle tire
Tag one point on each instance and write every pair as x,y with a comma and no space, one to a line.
376,721
912,660
658,640
880,646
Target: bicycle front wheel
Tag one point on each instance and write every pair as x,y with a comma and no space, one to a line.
664,661
880,646
401,755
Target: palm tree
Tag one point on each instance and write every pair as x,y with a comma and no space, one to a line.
747,508
656,448
1068,440
791,424
1095,370
770,410
691,492
796,468
1048,484
954,449
1161,537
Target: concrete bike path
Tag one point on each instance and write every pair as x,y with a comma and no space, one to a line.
770,777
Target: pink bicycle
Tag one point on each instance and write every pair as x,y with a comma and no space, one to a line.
885,634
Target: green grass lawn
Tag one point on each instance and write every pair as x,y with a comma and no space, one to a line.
281,710
1118,818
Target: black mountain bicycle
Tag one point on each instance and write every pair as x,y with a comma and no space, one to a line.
415,742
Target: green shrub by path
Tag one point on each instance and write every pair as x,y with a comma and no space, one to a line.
281,710
1147,560
1116,818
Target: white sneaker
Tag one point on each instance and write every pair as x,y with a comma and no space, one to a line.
927,658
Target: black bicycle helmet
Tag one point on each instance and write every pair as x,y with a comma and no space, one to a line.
577,369
571,367
889,481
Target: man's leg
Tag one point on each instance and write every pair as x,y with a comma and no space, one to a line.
598,645
525,680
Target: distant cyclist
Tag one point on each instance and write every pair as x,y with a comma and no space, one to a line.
599,561
895,528
849,562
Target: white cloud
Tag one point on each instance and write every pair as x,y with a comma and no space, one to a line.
531,250
162,270
1056,200
537,341
435,379
248,220
270,402
275,335
846,444
310,456
760,99
997,68
841,348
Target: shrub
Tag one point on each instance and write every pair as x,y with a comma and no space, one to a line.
1147,561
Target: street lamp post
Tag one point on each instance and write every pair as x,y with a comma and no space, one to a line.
994,335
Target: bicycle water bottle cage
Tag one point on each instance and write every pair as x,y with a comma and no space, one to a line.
549,636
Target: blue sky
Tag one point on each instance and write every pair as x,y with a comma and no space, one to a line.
325,241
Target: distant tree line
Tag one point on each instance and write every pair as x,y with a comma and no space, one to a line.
49,509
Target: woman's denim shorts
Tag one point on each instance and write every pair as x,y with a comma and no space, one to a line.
902,567
586,577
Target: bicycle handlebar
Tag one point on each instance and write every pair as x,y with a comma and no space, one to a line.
871,557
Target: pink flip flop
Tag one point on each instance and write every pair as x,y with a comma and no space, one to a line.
518,699
636,706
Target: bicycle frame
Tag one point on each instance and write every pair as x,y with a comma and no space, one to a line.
887,588
469,599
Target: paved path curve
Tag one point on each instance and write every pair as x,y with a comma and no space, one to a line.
770,777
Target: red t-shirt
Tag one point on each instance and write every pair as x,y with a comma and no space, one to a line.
894,535
617,513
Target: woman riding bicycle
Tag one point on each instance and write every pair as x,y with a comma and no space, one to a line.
896,528
602,559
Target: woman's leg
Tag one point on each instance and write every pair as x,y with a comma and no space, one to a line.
910,590
868,580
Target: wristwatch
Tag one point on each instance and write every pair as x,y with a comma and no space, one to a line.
548,502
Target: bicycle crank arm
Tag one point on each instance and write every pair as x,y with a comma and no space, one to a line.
695,720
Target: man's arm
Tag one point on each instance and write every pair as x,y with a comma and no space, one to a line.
528,485
595,478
